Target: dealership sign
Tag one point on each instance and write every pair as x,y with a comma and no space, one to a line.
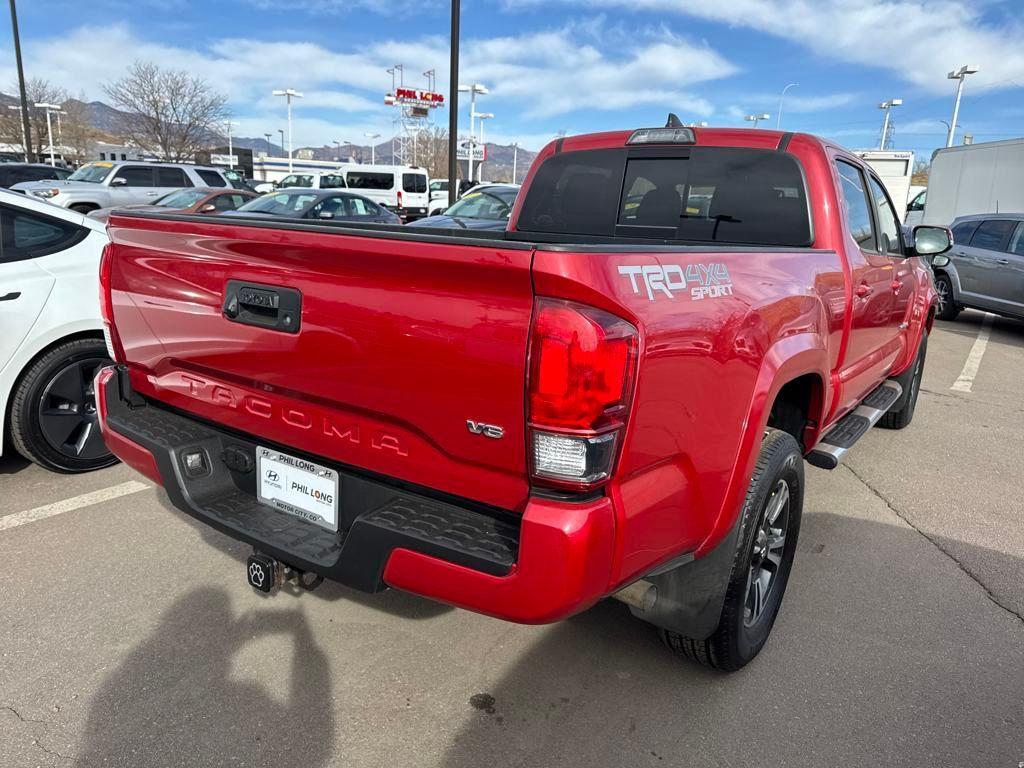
410,97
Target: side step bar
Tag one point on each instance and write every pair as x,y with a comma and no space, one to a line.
853,426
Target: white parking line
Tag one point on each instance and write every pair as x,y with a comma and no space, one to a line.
75,502
965,380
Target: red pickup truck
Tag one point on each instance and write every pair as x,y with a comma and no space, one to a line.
614,397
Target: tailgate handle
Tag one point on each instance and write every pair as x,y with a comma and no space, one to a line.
264,306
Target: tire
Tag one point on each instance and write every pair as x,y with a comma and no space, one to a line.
902,412
53,410
776,488
83,207
947,310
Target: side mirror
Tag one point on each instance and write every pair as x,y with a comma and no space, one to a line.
932,241
940,261
326,215
208,208
118,182
439,212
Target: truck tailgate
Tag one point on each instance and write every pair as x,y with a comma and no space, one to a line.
400,343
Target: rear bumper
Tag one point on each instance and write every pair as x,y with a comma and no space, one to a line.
552,561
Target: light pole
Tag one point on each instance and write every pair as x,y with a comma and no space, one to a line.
231,151
281,131
24,140
472,90
269,145
755,119
959,75
289,94
21,85
453,97
887,106
373,147
352,150
481,116
515,158
778,117
50,109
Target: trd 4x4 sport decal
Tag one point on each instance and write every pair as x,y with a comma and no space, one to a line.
704,281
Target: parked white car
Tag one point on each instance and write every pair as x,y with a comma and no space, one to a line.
52,339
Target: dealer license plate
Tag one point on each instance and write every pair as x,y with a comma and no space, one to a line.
298,487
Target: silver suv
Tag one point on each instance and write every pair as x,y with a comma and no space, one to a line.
985,268
113,184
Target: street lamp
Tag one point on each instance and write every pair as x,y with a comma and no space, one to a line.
472,90
778,117
959,75
231,151
50,109
515,158
289,94
887,106
755,119
281,131
481,116
373,147
352,149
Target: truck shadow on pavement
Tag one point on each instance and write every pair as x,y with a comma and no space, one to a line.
401,604
884,653
174,701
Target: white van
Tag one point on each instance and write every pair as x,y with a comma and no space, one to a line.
402,188
313,180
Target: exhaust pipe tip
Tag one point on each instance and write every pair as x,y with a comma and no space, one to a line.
640,596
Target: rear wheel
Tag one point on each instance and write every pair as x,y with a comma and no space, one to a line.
767,544
83,207
53,411
947,309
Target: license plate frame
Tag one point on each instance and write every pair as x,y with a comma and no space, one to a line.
298,487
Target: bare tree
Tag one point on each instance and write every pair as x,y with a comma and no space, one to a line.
79,136
39,91
432,151
171,112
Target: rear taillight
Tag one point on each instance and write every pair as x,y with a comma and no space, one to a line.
399,196
582,372
107,306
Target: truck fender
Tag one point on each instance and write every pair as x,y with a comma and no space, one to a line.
692,592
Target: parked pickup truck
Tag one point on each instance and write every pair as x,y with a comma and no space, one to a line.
614,397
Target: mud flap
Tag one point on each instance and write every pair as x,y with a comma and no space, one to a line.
690,596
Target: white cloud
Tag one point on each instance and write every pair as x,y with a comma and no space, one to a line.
919,41
536,76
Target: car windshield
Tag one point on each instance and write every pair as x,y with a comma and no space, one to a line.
92,172
182,198
281,203
493,203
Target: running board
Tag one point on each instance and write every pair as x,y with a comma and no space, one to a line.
853,426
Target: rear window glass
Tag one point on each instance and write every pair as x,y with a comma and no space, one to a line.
368,180
211,178
414,183
704,194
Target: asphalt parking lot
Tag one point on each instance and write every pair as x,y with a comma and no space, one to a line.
129,636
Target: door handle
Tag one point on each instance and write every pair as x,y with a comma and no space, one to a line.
151,194
1003,261
863,290
10,296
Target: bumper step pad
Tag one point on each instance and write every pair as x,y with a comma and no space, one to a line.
376,517
829,451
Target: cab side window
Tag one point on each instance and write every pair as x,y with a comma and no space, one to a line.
855,201
1017,241
888,224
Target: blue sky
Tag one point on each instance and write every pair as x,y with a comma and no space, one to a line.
560,65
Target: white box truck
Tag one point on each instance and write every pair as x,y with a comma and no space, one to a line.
974,178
